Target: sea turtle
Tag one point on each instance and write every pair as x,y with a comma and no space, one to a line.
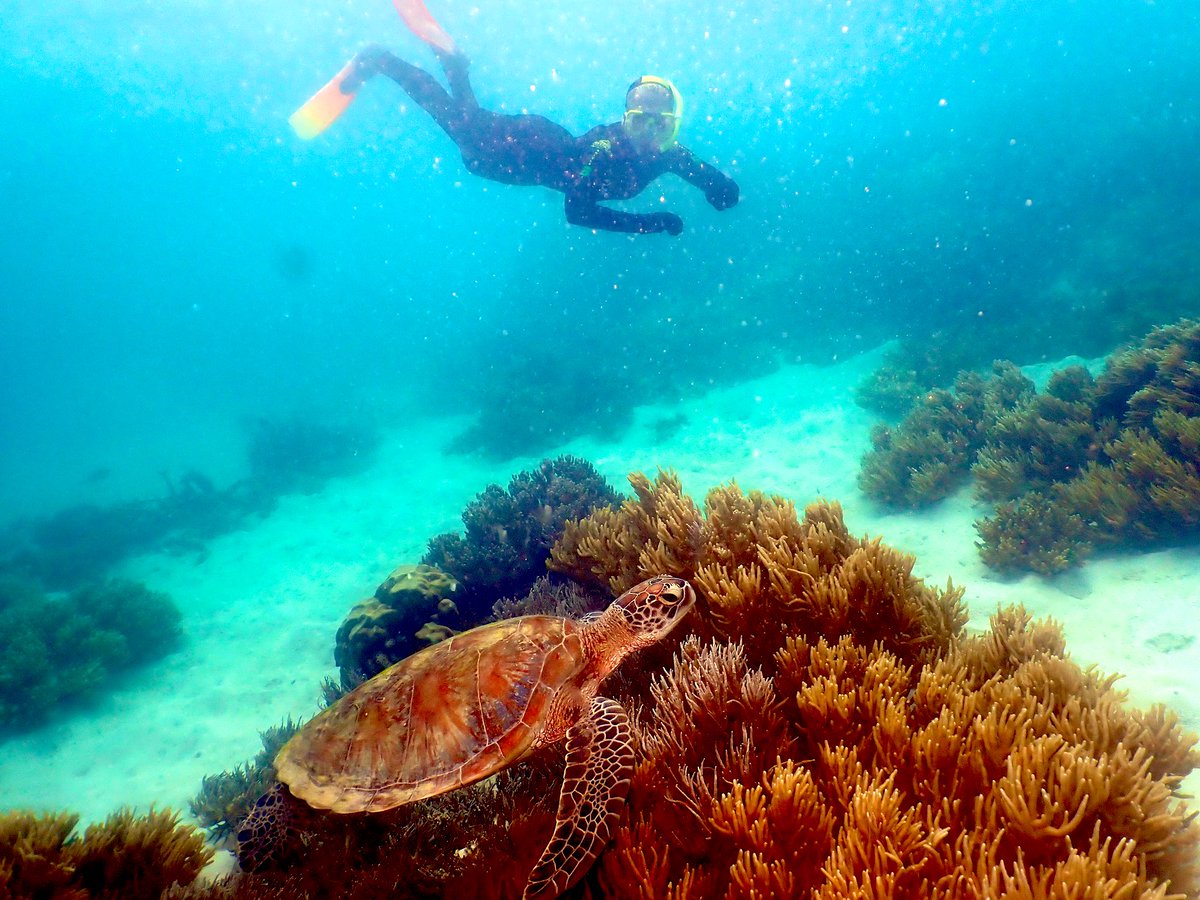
465,708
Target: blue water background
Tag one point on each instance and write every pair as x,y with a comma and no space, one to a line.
176,261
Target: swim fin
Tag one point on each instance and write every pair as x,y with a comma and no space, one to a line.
424,26
323,107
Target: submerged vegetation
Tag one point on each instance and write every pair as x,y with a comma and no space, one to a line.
127,856
59,648
820,727
226,798
509,533
1088,463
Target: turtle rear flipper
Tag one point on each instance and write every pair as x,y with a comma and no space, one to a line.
595,782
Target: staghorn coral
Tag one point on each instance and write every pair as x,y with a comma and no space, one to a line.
127,857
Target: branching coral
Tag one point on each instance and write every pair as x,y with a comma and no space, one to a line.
750,557
1034,533
1042,441
126,856
1141,480
854,746
823,731
509,533
912,369
1115,459
929,455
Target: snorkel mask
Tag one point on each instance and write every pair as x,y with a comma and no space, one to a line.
659,108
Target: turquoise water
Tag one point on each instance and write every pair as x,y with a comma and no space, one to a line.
180,274
176,260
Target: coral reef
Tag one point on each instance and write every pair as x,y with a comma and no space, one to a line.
58,648
412,604
1086,463
521,412
1044,439
128,857
547,598
858,745
1033,533
823,730
912,369
225,799
929,455
1121,466
509,533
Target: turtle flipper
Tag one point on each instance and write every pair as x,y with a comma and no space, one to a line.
596,780
269,837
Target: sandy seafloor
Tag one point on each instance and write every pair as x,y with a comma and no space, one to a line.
261,606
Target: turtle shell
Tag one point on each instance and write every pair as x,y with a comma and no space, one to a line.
445,717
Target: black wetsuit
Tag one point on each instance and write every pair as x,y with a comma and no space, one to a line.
532,150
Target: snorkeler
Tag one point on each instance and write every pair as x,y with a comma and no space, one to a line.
610,162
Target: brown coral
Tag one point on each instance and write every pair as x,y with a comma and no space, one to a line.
824,731
126,856
832,735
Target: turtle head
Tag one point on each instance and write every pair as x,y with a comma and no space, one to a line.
654,607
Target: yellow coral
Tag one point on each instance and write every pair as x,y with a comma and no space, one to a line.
828,732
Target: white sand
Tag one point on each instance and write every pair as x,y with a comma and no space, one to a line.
261,609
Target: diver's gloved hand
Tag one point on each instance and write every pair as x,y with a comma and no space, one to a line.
724,195
654,223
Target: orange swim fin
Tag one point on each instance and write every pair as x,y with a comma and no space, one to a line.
423,25
323,107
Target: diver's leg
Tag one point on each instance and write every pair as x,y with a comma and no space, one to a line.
417,83
455,66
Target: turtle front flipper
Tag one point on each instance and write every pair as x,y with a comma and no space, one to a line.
595,782
269,837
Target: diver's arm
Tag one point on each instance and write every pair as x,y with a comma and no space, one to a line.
590,214
720,190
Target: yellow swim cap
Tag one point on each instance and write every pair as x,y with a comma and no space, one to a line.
634,105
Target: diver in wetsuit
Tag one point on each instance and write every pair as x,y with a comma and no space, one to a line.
610,162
